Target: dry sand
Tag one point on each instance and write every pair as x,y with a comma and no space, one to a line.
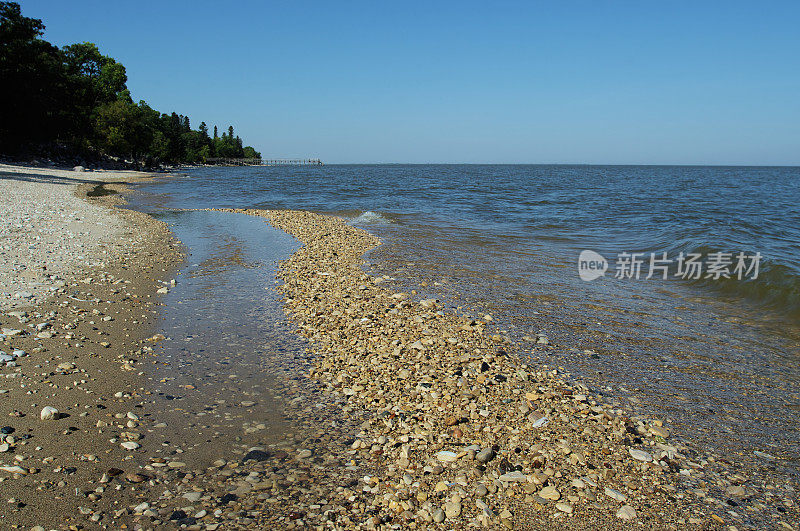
47,234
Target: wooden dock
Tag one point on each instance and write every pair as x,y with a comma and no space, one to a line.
221,161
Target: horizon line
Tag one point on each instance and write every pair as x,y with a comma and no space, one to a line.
717,165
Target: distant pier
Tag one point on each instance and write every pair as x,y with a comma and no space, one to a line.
221,161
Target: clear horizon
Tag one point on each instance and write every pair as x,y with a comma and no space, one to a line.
451,83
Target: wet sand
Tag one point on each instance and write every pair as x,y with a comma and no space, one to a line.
226,341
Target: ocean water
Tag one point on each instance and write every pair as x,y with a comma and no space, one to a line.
718,359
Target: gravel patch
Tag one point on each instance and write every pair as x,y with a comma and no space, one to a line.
47,233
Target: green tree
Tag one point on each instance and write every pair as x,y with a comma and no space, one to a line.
123,130
34,87
250,153
75,100
96,80
103,79
205,153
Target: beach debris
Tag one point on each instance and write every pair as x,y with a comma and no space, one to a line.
402,415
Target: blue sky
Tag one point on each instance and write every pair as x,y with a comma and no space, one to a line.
519,82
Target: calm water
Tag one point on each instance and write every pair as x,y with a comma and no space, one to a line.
719,360
226,342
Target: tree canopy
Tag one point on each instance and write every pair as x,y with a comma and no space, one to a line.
74,101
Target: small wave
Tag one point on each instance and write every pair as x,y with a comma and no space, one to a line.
369,217
776,287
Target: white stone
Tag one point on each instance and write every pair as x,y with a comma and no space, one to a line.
540,422
564,508
611,493
550,493
13,469
49,413
626,512
640,455
516,475
452,509
735,490
446,457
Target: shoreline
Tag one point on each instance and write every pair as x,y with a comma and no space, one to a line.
402,413
463,393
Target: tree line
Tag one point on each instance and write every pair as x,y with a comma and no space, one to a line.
73,102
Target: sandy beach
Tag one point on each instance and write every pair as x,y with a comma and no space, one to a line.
533,266
79,283
401,413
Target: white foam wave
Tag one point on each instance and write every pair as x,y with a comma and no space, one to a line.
369,217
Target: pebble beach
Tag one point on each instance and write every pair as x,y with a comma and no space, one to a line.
458,430
401,412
